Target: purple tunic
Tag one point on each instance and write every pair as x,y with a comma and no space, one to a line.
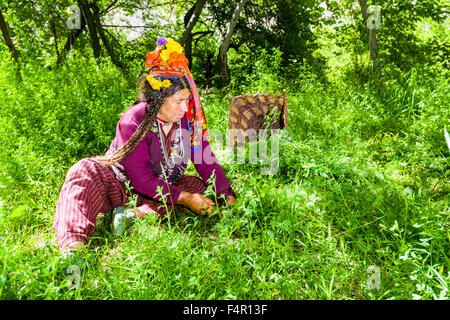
143,167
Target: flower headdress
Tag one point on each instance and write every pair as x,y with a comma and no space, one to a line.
168,61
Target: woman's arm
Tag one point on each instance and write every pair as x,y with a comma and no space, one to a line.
206,164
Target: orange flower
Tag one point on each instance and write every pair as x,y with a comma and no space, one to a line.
178,60
153,59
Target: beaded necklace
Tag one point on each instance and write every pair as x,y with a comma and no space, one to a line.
165,123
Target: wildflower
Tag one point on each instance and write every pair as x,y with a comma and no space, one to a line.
155,84
178,60
152,59
166,83
165,55
161,41
174,46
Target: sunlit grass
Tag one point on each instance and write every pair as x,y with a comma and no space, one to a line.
362,181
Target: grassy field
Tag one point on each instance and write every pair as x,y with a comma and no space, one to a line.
359,207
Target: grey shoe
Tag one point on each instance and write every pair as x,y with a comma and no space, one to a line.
121,220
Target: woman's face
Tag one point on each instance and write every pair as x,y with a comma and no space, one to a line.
174,108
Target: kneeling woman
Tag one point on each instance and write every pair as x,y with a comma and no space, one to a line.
155,138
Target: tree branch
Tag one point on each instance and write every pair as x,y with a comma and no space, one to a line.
223,49
192,20
8,39
108,7
123,26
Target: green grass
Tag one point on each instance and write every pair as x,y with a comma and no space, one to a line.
363,180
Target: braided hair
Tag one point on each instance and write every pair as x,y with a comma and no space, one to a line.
154,99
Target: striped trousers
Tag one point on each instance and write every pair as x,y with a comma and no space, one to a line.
90,189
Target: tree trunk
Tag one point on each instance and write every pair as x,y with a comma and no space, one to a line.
190,20
222,57
8,40
188,47
186,37
55,38
93,36
373,43
73,35
208,65
104,39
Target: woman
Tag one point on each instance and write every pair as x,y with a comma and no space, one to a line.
155,138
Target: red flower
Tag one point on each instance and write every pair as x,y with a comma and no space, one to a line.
153,59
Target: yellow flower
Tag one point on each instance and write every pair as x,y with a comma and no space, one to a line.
165,54
154,83
173,46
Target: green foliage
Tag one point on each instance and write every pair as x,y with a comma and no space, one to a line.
401,41
256,74
362,181
363,164
50,121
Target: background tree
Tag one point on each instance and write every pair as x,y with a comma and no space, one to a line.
39,31
7,37
395,46
190,19
225,45
371,30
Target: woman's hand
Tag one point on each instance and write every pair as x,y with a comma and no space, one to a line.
196,202
231,200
